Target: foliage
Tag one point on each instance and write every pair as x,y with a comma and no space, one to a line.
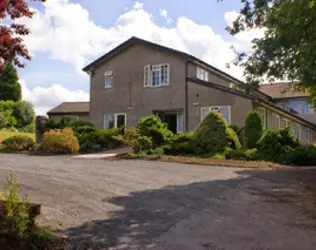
6,133
240,132
251,154
60,141
142,145
274,145
212,135
128,137
6,114
233,140
79,123
241,154
11,43
302,155
17,208
24,114
18,143
287,49
29,128
218,157
180,144
10,88
153,127
253,129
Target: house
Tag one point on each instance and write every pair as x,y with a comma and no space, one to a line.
285,95
139,78
70,111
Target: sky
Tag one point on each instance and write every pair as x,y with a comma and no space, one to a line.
66,35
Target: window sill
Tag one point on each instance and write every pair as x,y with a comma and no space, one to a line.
155,87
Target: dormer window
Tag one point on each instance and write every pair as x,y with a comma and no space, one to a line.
108,79
202,74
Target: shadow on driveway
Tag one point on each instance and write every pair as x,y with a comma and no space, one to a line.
255,209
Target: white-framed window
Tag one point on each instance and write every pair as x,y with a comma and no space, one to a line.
114,120
108,79
202,74
263,113
276,121
157,75
310,136
296,130
180,127
285,123
225,110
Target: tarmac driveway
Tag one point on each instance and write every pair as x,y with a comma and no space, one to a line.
104,204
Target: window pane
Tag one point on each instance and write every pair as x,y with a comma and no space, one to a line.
120,121
108,81
108,121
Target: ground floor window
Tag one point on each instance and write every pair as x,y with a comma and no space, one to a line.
263,114
114,120
225,110
296,130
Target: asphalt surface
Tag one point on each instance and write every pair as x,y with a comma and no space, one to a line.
106,204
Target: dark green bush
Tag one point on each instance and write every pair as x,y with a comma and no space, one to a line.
251,154
303,155
235,154
18,143
153,127
84,130
79,123
180,144
253,129
24,114
274,145
143,145
213,136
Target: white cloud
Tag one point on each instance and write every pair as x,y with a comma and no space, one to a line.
66,31
44,99
164,14
243,39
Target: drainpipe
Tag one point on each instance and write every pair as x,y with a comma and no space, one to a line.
186,107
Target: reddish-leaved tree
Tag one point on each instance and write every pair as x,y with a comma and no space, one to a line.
12,47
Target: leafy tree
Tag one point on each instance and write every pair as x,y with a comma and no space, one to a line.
24,114
288,48
11,43
10,88
253,129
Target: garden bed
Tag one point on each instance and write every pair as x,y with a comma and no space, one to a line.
202,161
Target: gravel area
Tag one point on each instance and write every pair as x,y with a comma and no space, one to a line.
108,204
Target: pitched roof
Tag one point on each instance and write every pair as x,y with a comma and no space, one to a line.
282,90
135,40
71,107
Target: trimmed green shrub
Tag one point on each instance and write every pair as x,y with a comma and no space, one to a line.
143,145
80,123
24,114
251,154
240,132
235,154
212,135
152,126
60,141
218,157
81,130
303,155
129,136
18,143
253,129
180,144
233,140
274,145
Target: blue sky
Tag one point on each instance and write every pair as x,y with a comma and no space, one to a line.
68,34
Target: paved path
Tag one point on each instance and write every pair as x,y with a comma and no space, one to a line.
103,204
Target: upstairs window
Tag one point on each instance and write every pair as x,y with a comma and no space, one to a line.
301,107
202,74
108,79
157,75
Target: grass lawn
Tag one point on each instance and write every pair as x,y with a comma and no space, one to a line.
202,161
6,134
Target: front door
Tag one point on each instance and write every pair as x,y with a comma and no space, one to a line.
173,121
